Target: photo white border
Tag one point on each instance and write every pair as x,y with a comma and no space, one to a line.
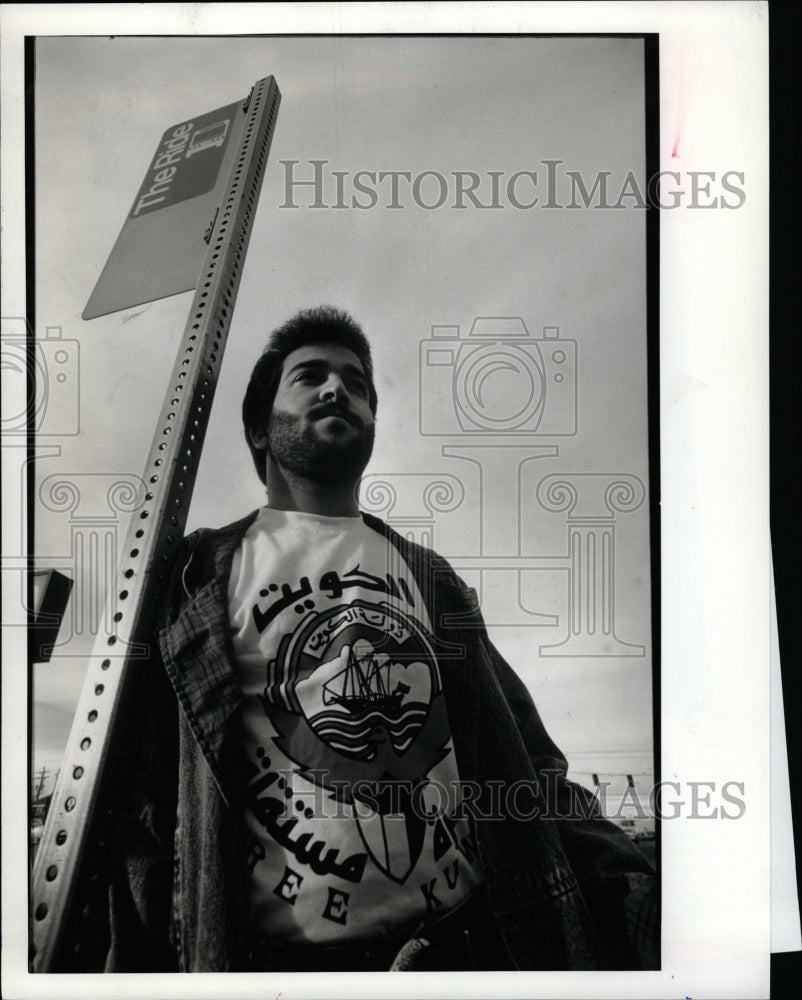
714,472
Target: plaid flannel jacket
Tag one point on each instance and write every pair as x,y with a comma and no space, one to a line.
566,888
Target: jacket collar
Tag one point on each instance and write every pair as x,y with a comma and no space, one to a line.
196,644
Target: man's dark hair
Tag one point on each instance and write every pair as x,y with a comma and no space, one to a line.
320,325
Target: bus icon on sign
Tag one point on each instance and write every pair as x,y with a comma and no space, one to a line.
205,138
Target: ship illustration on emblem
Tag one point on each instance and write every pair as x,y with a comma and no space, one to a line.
367,697
364,682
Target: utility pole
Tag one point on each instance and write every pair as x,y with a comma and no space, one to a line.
42,775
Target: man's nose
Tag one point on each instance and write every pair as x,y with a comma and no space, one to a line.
333,390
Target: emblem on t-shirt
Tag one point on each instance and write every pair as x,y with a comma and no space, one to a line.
355,698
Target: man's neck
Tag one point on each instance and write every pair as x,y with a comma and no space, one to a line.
286,491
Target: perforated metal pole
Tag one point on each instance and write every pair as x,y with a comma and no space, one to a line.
152,538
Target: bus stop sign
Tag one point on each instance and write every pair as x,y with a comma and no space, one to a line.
161,247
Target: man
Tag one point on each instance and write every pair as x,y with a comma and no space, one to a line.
358,781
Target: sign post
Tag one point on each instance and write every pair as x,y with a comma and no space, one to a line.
177,183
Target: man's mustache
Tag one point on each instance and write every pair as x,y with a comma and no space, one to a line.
334,410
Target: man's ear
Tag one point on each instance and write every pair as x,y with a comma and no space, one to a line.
258,438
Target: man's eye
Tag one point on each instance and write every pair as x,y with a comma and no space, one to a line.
358,387
305,377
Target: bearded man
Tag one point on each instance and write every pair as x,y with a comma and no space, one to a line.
343,774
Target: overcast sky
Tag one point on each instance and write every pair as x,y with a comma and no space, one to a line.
374,104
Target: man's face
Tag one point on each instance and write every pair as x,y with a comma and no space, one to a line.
321,426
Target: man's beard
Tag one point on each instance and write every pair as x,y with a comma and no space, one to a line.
295,446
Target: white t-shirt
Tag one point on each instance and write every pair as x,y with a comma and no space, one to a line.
353,789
